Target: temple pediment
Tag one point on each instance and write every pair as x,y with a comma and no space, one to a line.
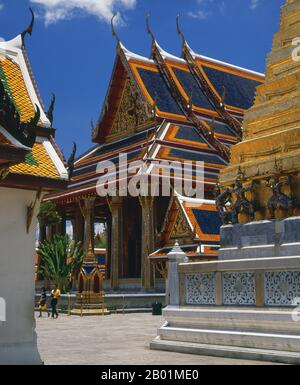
181,229
132,115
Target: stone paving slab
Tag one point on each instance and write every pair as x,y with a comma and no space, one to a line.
114,339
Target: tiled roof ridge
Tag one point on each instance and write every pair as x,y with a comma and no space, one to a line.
167,55
57,149
29,68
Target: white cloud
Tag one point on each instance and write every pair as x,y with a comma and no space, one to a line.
57,10
254,4
207,8
199,14
1,6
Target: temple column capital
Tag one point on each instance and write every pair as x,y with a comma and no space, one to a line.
115,203
146,201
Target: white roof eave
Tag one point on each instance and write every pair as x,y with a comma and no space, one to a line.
63,173
228,65
167,55
130,55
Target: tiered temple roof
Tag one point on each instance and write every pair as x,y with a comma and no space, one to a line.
168,108
195,224
25,128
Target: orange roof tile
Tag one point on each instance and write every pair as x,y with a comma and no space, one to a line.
18,90
38,163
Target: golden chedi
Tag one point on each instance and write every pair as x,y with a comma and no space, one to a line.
268,158
246,304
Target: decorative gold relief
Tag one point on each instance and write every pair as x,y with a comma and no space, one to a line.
180,228
132,111
161,267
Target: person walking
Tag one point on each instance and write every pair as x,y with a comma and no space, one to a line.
43,303
55,294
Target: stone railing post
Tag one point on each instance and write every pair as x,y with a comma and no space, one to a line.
175,256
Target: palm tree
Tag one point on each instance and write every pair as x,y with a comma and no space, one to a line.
47,216
60,258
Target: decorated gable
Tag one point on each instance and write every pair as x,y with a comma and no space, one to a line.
132,112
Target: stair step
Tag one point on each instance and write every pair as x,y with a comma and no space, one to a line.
237,338
268,355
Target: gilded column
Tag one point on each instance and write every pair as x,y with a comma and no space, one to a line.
116,205
87,210
147,241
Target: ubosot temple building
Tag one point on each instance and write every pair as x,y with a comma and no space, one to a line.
30,166
253,291
165,108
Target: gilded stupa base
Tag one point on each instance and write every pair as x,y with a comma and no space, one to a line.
88,304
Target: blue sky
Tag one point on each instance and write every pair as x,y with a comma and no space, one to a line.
72,51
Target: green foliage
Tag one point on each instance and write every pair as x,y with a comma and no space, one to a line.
101,235
101,240
48,215
59,259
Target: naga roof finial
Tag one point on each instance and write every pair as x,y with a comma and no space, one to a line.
29,29
113,30
149,29
50,111
71,160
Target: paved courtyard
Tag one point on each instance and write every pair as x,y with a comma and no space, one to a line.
115,339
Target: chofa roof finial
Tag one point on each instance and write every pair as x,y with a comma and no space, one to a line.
179,30
71,160
29,29
149,29
50,111
113,30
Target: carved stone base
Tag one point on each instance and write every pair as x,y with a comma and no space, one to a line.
264,239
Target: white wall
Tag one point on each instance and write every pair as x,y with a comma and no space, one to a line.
17,333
